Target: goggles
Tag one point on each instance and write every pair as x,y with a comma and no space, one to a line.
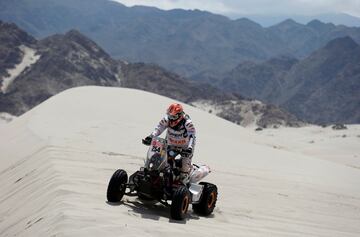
174,117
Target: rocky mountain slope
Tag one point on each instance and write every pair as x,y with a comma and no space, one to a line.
322,88
230,106
64,61
256,80
190,43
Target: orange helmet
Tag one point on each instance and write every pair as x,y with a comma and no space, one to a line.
175,114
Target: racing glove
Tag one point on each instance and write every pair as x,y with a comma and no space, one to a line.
147,140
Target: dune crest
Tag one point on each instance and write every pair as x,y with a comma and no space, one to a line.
57,159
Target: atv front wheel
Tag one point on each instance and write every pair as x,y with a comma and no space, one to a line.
180,203
208,200
117,186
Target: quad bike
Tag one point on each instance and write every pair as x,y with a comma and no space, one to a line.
160,180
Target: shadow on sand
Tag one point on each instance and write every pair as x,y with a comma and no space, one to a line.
154,210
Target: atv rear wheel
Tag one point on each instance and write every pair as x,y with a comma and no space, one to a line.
117,186
180,203
208,200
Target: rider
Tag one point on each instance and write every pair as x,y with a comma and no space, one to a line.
180,136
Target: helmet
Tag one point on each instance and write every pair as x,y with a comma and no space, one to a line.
175,114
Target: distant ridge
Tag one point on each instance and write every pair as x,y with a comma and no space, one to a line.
332,18
68,60
190,43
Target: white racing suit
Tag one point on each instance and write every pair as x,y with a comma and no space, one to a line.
181,136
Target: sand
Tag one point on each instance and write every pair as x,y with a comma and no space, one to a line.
56,161
340,146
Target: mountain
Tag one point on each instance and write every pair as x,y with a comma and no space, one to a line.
334,18
230,106
302,40
322,88
60,62
256,80
190,43
35,70
182,41
10,53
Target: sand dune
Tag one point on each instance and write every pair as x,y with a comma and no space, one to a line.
340,146
56,161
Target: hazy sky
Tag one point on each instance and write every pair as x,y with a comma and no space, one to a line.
248,7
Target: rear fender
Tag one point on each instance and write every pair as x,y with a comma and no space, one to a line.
199,173
196,192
